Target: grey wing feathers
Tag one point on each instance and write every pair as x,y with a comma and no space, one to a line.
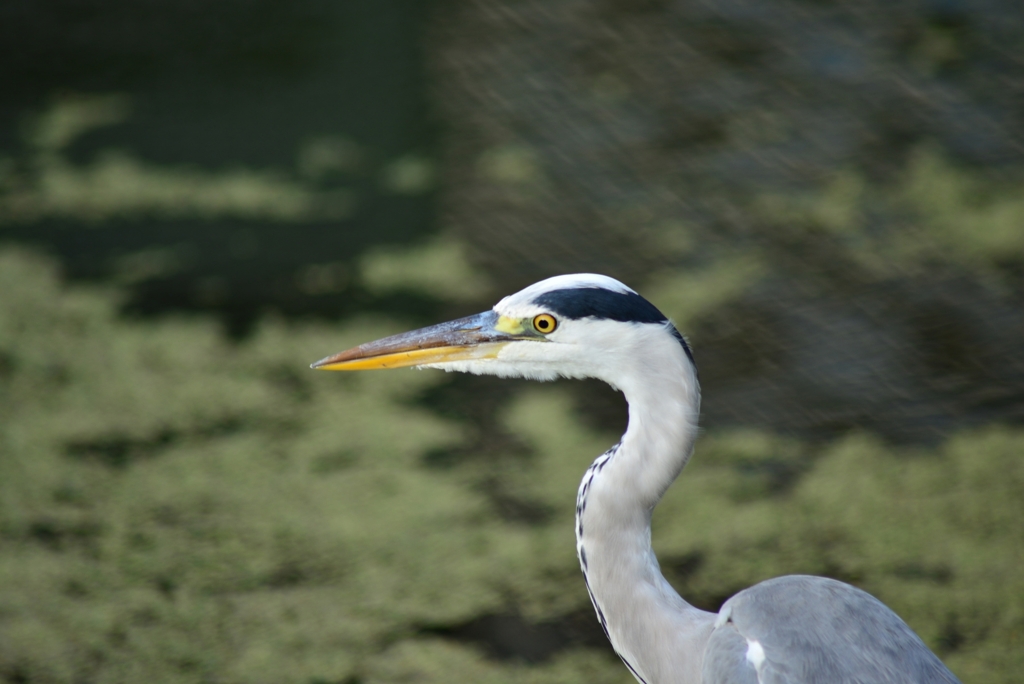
725,659
814,630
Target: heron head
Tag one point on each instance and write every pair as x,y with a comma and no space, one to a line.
581,325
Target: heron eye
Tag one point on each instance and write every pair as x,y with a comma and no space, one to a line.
544,323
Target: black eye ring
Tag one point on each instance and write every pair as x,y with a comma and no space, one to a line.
544,323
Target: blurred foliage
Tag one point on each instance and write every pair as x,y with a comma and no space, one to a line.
174,507
651,114
119,185
932,214
438,269
180,228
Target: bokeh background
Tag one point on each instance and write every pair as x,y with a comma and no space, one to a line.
199,198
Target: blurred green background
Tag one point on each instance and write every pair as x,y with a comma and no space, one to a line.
197,199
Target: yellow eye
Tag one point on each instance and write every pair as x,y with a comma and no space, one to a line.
544,323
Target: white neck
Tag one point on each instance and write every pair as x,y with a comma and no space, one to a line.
650,626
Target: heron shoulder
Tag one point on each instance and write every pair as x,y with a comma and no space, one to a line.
820,629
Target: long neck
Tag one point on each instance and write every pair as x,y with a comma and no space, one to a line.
659,635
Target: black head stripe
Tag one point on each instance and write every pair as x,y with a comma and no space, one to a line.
686,347
596,302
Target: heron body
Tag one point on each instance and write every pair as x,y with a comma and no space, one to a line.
789,630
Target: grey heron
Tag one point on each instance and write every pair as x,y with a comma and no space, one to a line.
793,629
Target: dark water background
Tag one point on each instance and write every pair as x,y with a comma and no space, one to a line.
221,85
642,116
828,196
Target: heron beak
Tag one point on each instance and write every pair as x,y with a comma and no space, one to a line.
475,337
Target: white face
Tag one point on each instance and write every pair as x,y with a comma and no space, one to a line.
586,347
